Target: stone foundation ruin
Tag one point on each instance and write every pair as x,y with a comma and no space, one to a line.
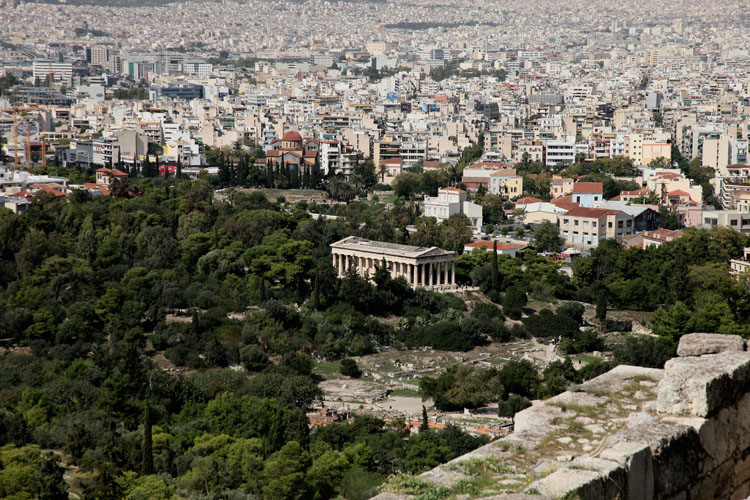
632,433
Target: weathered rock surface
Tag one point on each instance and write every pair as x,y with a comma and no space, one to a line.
586,443
699,386
698,344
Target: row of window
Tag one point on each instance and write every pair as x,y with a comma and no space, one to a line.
620,224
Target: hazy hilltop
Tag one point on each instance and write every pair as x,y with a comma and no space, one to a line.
155,3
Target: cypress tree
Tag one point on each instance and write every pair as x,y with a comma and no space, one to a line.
148,452
425,422
316,292
495,272
178,170
601,307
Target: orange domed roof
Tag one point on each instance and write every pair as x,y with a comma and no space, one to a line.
292,136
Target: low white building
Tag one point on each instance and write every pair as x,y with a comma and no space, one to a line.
451,201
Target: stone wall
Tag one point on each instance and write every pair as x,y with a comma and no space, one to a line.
632,434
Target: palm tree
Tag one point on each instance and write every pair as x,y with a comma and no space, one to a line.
382,170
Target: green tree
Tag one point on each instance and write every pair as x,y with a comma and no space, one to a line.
284,474
455,232
513,404
47,479
513,302
406,185
547,238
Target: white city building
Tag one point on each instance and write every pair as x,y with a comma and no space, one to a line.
451,201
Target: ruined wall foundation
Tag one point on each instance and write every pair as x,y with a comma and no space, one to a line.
680,433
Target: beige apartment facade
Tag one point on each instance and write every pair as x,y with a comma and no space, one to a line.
589,226
420,266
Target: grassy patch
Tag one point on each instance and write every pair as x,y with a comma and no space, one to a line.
592,412
327,368
586,358
406,393
478,466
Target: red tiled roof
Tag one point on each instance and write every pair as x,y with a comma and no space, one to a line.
678,192
593,213
453,190
292,136
562,199
556,179
51,191
391,161
587,187
662,234
504,172
527,200
637,192
112,171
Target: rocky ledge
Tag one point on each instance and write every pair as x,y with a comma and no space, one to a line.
632,433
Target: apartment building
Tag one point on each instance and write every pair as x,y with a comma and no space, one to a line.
560,186
506,183
734,219
451,201
561,152
589,226
60,71
587,194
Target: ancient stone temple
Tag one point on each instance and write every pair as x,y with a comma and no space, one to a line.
421,267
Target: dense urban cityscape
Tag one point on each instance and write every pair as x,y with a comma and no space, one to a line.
374,249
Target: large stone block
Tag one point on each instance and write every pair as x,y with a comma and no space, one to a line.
564,481
698,344
636,458
620,376
700,386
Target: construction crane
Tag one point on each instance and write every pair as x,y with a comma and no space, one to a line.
15,110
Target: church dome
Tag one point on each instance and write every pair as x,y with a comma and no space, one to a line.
292,136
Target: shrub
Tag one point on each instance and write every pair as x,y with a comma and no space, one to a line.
349,368
585,341
513,302
548,324
574,310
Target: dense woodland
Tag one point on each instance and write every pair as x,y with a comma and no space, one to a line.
86,285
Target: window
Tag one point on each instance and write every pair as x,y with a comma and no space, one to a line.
629,223
619,224
585,223
575,222
565,221
609,225
733,222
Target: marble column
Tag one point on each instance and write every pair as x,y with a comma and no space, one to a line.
445,272
453,273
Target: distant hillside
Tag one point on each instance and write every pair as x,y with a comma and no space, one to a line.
141,3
